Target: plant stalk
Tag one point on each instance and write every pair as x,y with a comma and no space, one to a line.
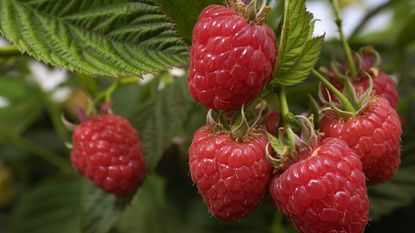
284,112
346,47
345,102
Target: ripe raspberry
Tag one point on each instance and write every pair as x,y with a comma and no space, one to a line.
325,192
107,150
272,121
231,176
374,134
383,84
231,59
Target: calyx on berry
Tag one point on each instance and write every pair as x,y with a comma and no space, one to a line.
285,155
347,102
235,124
249,9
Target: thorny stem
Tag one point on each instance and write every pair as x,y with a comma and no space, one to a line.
346,47
284,112
346,103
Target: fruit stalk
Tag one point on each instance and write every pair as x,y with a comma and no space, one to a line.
284,113
343,39
346,103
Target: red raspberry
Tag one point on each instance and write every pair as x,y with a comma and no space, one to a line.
374,134
383,84
107,150
231,176
324,192
231,59
272,121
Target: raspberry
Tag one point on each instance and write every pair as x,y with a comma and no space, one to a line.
231,59
324,192
383,84
272,121
231,176
107,150
374,134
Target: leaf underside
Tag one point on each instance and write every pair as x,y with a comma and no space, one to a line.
98,37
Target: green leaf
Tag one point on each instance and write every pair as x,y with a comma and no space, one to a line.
101,210
149,210
96,37
54,206
23,106
185,13
161,118
298,51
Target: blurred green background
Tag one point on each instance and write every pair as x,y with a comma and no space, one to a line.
41,193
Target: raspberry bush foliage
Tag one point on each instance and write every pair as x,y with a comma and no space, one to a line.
135,116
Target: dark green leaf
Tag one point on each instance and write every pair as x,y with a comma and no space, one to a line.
96,37
24,105
160,119
395,194
100,209
298,51
54,206
149,211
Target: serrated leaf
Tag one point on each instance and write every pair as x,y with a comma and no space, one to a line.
54,206
101,210
303,66
160,119
298,51
97,37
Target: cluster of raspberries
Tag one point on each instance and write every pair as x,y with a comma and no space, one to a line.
232,59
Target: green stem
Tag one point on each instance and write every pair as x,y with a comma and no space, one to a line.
106,94
345,102
43,153
284,113
9,51
346,47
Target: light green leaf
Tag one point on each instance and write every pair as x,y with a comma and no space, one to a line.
97,37
161,118
298,51
54,206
